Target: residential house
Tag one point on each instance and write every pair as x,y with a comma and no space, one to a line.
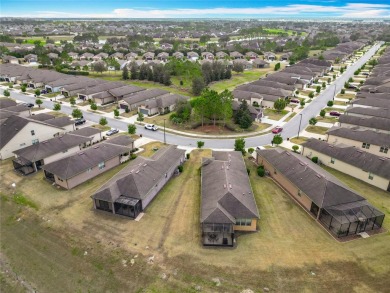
373,123
285,57
86,56
365,166
10,59
31,58
93,134
236,55
251,55
131,190
166,46
99,57
208,55
73,55
74,170
221,55
245,64
339,209
193,56
377,143
117,56
148,56
269,56
259,63
161,104
30,159
133,101
163,56
18,132
178,55
131,56
227,201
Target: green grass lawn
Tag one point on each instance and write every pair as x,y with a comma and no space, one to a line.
316,129
66,237
290,117
340,103
238,79
330,109
346,96
274,114
327,119
299,140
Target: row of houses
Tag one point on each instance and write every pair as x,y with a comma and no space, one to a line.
99,91
359,145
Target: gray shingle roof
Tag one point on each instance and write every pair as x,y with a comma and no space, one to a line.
353,156
71,166
374,112
50,147
140,176
321,187
226,190
370,122
362,135
86,131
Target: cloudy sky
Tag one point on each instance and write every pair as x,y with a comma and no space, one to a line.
196,9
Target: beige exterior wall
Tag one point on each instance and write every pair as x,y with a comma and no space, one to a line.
267,104
252,227
24,138
86,175
161,183
69,128
61,155
374,149
302,198
353,171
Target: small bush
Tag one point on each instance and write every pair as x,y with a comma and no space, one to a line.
295,148
314,160
248,171
261,171
330,103
133,156
180,168
188,156
251,150
342,91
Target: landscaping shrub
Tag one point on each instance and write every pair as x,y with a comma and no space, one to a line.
330,103
188,156
314,160
261,171
180,168
133,156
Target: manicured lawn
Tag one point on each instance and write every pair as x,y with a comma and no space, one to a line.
108,108
274,115
316,129
101,127
330,109
339,103
299,140
151,148
239,78
57,114
346,96
326,119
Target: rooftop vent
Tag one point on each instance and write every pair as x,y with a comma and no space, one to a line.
230,186
145,165
319,176
137,171
224,186
96,147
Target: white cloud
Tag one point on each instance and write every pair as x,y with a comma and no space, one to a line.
350,10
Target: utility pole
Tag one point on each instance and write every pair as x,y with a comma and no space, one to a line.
300,121
165,142
334,92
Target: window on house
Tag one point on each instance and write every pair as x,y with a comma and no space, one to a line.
384,150
243,222
101,165
365,145
370,176
332,160
35,141
32,132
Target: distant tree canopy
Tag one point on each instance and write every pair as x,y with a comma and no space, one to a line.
87,37
6,39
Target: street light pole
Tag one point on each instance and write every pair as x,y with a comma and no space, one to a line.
165,142
334,92
300,121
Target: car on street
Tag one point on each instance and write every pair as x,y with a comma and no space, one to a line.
112,131
151,127
277,130
30,105
296,101
79,121
335,113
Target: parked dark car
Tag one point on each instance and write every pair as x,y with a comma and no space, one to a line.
296,101
30,105
79,121
335,113
43,92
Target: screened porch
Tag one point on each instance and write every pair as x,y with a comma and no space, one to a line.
351,218
217,234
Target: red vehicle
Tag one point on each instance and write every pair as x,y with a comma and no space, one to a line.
296,101
277,130
334,113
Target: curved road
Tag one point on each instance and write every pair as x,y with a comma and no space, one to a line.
290,129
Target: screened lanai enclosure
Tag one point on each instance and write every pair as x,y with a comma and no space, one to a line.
217,234
351,218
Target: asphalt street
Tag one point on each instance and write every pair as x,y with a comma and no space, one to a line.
290,129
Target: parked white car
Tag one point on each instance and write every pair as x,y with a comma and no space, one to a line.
151,127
